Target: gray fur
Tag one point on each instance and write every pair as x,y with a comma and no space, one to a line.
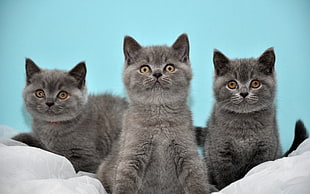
157,151
81,127
242,131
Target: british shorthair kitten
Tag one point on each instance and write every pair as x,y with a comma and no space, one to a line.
157,151
242,131
68,121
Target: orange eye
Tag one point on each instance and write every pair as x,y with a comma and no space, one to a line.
255,84
144,69
170,68
63,95
40,93
232,84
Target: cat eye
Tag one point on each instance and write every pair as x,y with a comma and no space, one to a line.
63,95
255,84
232,84
40,93
145,69
170,68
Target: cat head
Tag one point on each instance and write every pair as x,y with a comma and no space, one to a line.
157,74
244,85
54,95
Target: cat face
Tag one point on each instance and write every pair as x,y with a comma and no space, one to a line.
55,95
157,74
244,85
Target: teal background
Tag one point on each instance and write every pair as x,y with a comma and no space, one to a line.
61,33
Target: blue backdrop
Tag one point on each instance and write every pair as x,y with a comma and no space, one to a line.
61,33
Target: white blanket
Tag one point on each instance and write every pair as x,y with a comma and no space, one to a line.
25,170
289,175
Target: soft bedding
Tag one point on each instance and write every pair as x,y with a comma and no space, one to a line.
288,175
25,170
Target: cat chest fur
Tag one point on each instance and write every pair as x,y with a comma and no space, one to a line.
162,165
245,136
162,132
56,136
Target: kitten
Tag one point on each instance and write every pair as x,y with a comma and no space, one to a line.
157,151
242,130
66,120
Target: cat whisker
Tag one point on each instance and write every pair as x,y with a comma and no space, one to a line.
148,82
42,108
58,109
236,99
252,99
166,81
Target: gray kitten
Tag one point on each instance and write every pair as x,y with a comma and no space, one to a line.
68,121
242,130
157,151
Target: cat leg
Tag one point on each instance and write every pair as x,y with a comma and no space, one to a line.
82,158
107,168
190,169
29,139
264,152
222,166
200,133
106,171
130,170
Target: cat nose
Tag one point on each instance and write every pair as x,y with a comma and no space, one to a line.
49,104
157,75
244,94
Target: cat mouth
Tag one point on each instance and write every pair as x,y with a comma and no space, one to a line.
157,84
50,112
248,100
53,111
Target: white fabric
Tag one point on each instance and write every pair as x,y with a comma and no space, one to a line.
289,175
25,170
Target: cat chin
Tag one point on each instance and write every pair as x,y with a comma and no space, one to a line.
54,118
157,87
241,108
245,110
155,100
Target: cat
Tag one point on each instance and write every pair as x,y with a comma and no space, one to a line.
242,130
68,121
157,151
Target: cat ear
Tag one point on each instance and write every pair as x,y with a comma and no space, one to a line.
31,69
79,73
131,46
220,62
267,61
181,45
